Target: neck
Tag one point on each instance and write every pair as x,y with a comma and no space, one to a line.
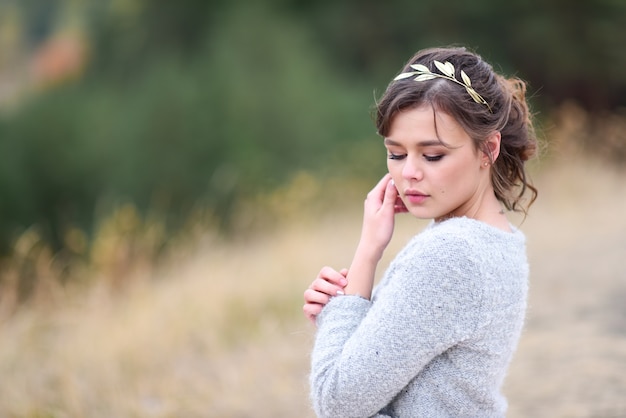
485,208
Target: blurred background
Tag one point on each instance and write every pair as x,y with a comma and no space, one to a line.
158,157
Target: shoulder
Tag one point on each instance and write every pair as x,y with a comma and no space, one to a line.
465,235
462,248
447,239
437,277
444,253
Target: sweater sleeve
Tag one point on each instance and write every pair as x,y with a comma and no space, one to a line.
365,353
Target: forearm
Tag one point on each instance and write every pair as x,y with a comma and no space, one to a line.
336,381
378,222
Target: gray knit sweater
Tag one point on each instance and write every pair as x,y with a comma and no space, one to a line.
438,334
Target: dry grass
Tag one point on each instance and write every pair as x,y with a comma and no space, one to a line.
572,358
220,333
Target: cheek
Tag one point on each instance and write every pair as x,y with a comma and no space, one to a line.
459,168
395,169
447,179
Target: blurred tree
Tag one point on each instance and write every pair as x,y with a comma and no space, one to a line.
235,118
128,34
205,102
568,51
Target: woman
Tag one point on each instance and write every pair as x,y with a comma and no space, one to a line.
435,337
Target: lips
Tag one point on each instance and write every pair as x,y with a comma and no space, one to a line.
415,197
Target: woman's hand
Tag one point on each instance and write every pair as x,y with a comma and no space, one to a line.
381,204
328,283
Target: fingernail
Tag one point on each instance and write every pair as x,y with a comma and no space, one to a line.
340,292
343,282
392,182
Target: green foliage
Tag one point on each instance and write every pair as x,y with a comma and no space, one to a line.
235,119
199,104
567,50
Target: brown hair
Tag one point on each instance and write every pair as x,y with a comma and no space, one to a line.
506,112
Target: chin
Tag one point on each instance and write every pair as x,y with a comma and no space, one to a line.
420,213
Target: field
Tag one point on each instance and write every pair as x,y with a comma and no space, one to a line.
218,331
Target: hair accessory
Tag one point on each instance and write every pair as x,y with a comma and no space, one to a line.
447,72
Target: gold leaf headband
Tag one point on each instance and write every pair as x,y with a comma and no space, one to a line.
447,72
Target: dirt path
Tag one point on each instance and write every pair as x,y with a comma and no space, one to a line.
571,361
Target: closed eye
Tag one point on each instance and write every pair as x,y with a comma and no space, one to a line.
393,156
433,158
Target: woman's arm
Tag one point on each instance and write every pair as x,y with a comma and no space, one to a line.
365,353
378,223
380,206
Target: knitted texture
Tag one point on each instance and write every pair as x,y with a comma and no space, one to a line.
437,336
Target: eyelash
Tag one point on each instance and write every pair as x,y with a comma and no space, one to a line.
433,158
429,158
396,156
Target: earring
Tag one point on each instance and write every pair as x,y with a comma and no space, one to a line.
486,164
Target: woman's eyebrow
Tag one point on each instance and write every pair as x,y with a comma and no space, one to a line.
391,142
426,143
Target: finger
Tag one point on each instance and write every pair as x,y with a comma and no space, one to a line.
382,183
378,191
391,196
399,206
311,310
344,272
313,296
324,287
333,276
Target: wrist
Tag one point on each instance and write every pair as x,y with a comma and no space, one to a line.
368,253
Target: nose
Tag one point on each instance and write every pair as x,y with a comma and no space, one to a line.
411,170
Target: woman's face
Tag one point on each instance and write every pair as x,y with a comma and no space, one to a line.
436,180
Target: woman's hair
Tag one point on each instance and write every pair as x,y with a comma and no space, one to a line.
481,101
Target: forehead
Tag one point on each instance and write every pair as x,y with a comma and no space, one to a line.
426,125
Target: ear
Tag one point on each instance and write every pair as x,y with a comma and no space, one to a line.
491,149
